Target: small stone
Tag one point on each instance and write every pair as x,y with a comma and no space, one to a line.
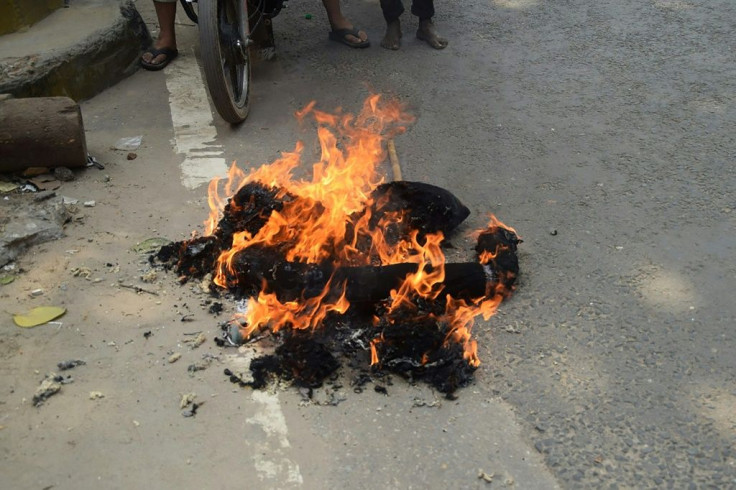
553,231
132,156
174,357
63,174
96,395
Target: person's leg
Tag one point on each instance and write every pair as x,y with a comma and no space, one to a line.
392,10
424,9
166,14
339,22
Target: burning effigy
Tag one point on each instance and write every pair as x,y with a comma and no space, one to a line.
345,265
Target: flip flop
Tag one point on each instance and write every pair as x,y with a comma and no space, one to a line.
340,36
169,53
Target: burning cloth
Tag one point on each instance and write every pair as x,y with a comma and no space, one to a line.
344,264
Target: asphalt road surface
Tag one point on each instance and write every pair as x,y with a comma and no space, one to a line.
602,131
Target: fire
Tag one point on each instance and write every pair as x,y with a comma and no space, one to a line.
325,217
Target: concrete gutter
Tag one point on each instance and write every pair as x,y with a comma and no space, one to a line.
75,52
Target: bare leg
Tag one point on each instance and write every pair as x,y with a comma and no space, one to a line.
426,33
339,21
392,39
166,13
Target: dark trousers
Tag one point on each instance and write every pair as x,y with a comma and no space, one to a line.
392,9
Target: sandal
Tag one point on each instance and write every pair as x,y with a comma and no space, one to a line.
169,53
341,36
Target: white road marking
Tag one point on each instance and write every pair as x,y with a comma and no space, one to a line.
270,462
194,130
194,136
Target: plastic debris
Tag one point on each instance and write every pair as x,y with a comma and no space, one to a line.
92,162
188,405
129,143
72,363
50,385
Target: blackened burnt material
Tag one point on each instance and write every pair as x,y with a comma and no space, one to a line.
417,348
501,244
426,208
248,210
300,358
192,258
365,284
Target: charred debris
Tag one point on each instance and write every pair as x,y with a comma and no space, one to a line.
373,339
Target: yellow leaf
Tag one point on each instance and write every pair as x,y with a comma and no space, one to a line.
38,316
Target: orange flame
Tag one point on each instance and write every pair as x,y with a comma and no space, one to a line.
330,206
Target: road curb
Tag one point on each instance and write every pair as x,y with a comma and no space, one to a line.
101,45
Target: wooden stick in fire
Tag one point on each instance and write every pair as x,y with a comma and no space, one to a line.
394,160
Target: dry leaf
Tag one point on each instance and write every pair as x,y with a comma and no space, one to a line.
38,316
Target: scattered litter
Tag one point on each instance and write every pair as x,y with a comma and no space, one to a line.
150,245
31,172
553,231
50,385
36,292
186,399
129,143
196,341
6,186
84,272
207,359
233,336
64,365
6,279
174,357
92,162
136,423
147,334
486,477
192,410
188,405
150,276
38,316
418,402
138,289
96,395
89,204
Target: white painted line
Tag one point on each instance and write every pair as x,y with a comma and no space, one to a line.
194,129
270,462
